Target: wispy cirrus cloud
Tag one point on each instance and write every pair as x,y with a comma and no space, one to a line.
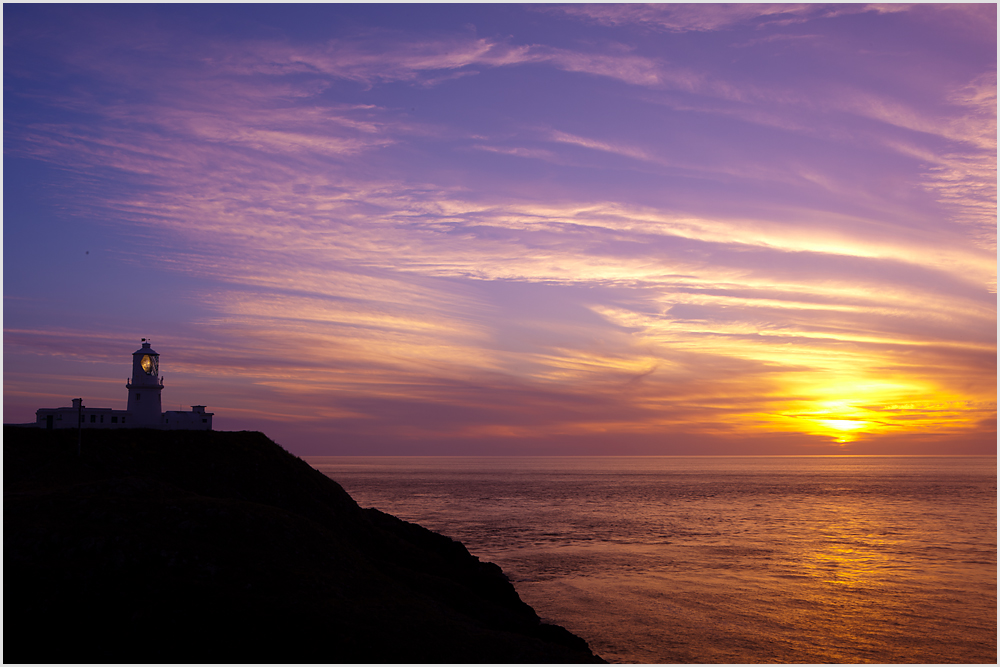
722,257
389,57
708,17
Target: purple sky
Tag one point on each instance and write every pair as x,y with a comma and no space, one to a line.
488,229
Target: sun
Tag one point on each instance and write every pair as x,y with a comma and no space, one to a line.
842,419
844,424
845,427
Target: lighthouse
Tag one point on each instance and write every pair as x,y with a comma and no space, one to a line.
144,388
144,406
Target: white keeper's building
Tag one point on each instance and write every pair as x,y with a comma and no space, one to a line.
143,409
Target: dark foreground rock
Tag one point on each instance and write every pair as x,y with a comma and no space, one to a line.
223,547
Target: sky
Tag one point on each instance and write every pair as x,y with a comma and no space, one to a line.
511,229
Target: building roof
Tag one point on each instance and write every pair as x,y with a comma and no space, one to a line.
146,349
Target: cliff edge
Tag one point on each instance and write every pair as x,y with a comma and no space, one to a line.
190,546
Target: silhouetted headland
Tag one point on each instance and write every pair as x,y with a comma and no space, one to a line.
207,546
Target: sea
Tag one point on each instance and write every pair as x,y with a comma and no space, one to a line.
811,559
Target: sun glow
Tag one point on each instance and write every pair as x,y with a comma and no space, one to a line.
874,406
846,426
843,424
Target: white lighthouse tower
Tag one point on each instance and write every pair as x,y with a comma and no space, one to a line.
144,388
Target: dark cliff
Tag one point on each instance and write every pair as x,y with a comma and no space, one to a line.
223,547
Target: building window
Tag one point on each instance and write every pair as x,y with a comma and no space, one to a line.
83,418
114,420
102,419
204,421
123,419
138,396
93,419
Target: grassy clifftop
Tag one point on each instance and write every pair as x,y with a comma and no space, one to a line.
223,547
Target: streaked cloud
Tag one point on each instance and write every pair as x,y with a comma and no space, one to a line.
423,242
703,17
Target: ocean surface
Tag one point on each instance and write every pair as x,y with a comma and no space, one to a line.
733,560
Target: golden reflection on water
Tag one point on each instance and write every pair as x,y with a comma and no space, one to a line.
845,565
848,554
